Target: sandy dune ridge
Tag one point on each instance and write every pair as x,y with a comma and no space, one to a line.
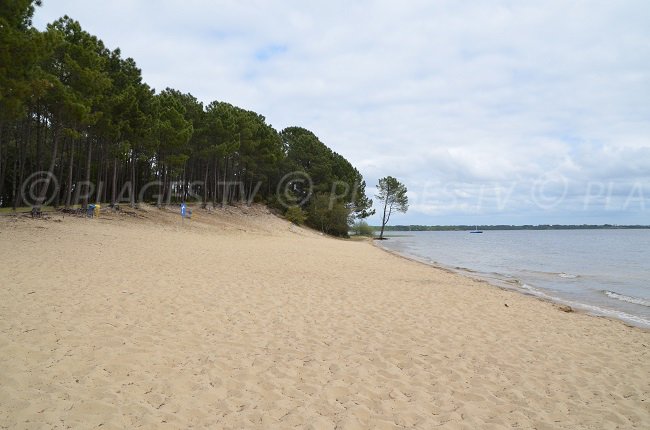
235,319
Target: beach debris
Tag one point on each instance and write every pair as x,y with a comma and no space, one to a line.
506,305
565,308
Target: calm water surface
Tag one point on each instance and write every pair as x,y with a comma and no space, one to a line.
605,272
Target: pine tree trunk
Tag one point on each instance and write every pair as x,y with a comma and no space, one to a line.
216,182
68,195
22,154
205,184
224,198
161,197
55,146
14,188
133,188
2,164
60,193
87,180
383,220
114,184
99,184
39,132
184,182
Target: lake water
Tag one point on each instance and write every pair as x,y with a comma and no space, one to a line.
604,272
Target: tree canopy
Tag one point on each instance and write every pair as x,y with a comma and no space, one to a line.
77,118
392,195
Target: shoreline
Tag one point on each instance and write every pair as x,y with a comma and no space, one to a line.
237,320
576,307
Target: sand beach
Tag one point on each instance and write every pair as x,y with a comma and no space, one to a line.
235,319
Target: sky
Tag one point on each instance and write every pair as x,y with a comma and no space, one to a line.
490,112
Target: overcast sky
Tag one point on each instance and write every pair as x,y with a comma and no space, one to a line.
491,112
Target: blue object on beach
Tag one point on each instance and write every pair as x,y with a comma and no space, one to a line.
183,208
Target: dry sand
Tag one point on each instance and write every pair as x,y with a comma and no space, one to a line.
235,320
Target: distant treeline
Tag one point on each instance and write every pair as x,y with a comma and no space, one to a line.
77,118
508,227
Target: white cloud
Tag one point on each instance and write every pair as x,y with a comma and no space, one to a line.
470,96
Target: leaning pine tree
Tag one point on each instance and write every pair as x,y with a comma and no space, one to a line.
392,193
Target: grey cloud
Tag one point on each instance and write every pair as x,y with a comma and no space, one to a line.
462,96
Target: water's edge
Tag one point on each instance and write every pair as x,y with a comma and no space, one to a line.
520,287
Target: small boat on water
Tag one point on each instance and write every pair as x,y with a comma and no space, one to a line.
476,230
